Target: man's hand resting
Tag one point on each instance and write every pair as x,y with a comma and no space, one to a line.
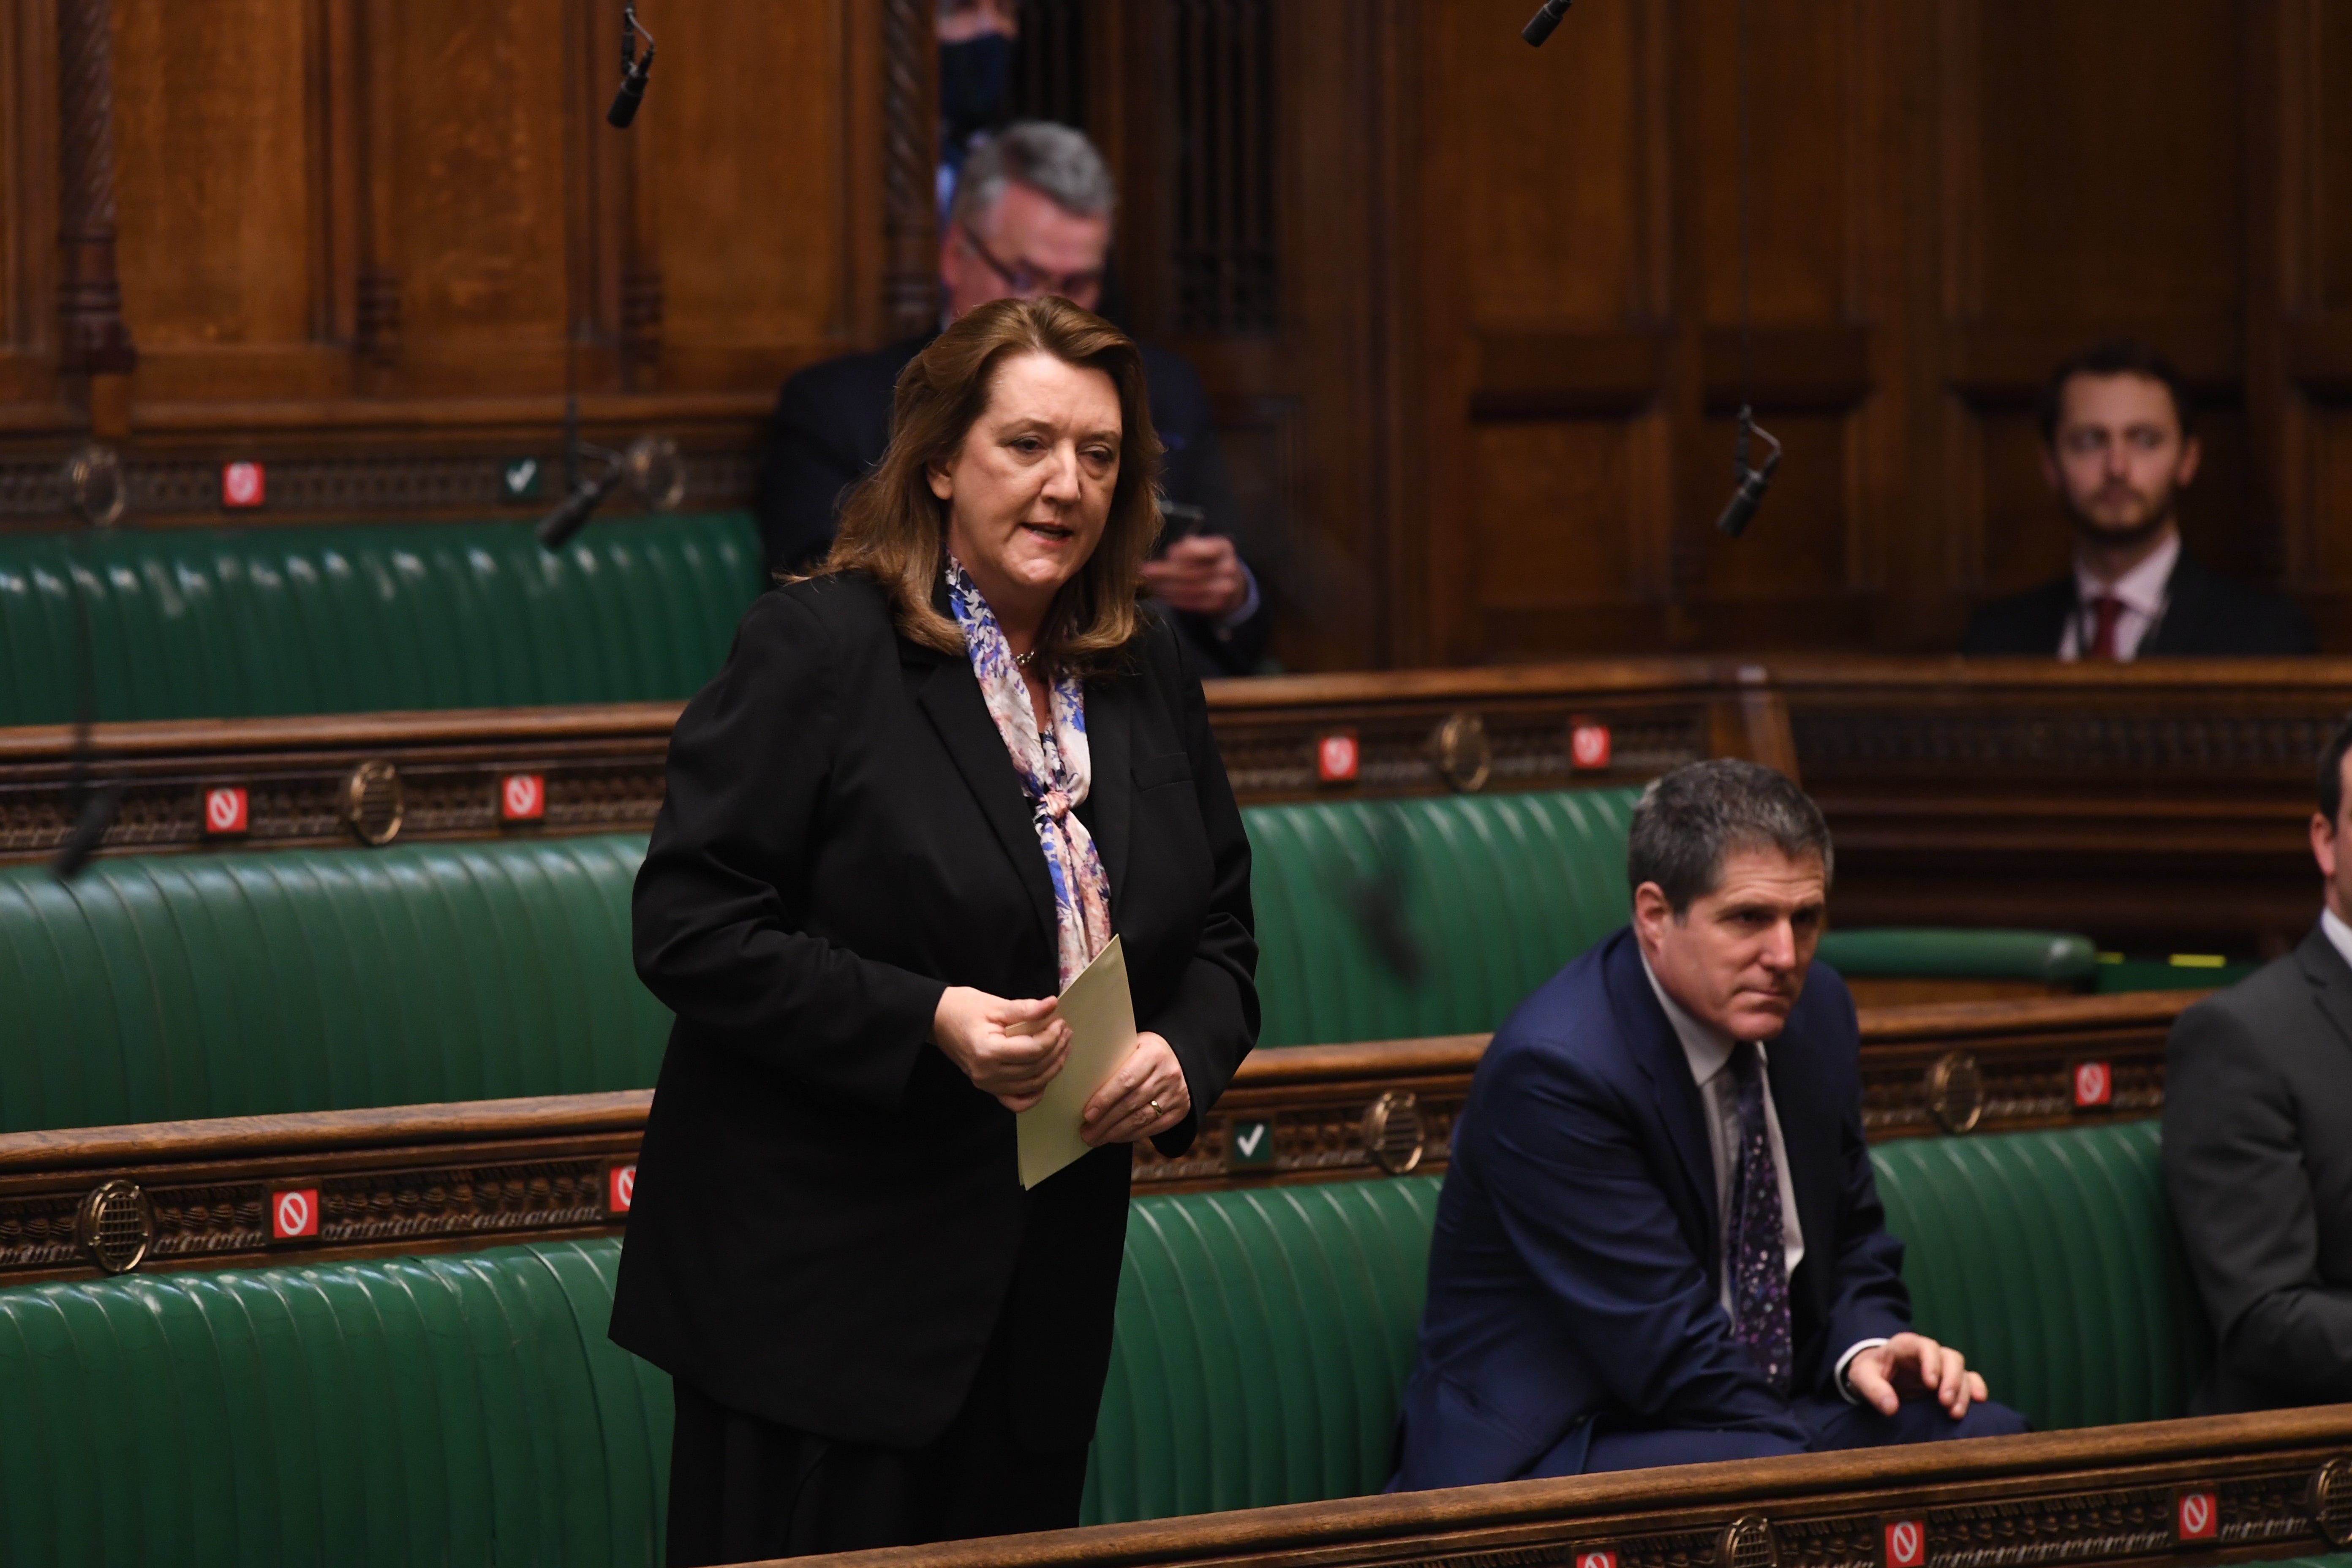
1146,1096
977,1032
1914,1363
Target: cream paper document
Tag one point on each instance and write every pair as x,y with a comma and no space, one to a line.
1101,1016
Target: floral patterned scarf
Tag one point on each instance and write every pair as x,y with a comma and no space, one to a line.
1056,772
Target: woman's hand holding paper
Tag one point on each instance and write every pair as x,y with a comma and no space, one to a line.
1010,1049
1123,1110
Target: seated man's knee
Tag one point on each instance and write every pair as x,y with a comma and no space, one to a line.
1647,1450
1914,1421
1986,1418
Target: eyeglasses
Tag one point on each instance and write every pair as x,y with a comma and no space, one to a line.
1031,282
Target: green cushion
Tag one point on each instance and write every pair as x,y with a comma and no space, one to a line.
1263,1345
1928,952
2050,1258
1395,919
164,988
463,1409
234,623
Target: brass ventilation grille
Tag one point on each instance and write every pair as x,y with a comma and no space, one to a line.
1392,1132
1463,754
373,802
2331,1500
116,1226
1956,1091
1747,1544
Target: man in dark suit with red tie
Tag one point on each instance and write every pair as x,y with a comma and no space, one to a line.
1660,1241
2117,450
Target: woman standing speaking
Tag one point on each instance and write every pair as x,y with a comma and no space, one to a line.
929,786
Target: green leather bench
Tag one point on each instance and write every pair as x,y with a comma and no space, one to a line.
1264,1336
1399,919
175,987
467,1408
244,622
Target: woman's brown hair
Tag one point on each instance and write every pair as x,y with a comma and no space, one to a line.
895,530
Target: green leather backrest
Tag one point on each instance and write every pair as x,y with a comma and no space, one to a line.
1393,919
463,1409
1263,1345
1382,920
167,987
240,622
2050,1259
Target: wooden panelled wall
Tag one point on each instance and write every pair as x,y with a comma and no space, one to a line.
1470,309
356,229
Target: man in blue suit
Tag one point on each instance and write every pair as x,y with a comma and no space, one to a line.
1659,1241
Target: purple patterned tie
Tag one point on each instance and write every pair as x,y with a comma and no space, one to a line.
1754,1249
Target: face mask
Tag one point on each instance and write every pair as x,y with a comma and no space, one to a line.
973,76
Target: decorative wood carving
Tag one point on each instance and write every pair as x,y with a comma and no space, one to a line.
446,1175
94,339
910,152
415,486
2177,826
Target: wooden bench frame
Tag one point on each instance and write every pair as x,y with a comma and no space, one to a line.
2101,1496
443,1177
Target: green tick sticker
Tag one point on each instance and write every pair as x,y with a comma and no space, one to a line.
1248,1143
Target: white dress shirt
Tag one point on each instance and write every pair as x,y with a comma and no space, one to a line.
2338,933
1708,1052
2141,592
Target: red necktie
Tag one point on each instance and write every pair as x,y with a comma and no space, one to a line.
2103,641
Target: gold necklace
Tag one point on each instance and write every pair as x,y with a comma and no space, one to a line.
1025,660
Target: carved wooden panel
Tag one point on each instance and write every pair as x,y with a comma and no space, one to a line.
475,133
434,1177
351,231
217,195
746,159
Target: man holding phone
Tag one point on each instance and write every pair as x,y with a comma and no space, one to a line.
1031,218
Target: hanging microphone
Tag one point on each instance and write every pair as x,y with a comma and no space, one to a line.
651,466
1544,20
96,491
1740,510
634,71
556,529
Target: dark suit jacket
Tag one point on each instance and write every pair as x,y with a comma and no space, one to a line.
827,1221
832,424
1576,1264
2205,615
2258,1164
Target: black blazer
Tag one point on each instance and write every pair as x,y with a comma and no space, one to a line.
832,424
828,1222
2205,615
2258,1164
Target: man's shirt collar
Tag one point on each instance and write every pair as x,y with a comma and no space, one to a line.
2338,933
2142,587
1704,1047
